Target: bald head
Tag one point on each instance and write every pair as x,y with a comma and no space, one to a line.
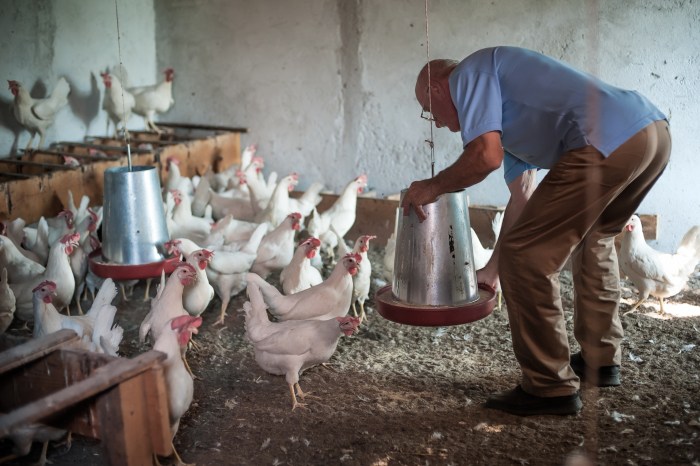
440,70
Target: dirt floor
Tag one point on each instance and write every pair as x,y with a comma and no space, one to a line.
395,395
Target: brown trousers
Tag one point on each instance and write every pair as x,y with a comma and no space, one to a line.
576,211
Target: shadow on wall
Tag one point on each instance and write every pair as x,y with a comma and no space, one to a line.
85,106
8,120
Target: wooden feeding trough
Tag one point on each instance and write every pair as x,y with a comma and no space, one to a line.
122,402
37,184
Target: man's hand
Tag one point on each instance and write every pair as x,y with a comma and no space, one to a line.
419,194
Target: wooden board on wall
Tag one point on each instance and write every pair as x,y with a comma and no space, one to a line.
377,217
46,194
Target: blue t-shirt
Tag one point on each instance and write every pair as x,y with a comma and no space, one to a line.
542,107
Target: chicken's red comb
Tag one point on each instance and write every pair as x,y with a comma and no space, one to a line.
362,178
168,71
12,83
295,176
207,253
46,283
295,215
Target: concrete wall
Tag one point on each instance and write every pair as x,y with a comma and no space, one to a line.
77,39
326,86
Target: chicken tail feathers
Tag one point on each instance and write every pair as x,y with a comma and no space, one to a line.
256,320
110,342
496,225
253,243
690,244
103,299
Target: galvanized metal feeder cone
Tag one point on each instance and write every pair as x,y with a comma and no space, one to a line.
434,275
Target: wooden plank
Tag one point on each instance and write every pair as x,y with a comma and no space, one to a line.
156,393
34,349
123,412
103,378
377,217
46,195
228,129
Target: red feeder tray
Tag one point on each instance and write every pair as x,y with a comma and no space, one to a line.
130,271
434,316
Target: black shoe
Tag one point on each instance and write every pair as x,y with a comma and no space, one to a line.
518,402
606,376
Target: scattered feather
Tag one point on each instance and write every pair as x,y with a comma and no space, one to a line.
265,444
619,417
635,358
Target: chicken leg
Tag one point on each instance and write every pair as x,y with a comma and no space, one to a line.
634,308
295,402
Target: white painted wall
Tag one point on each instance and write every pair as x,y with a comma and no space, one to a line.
77,39
326,86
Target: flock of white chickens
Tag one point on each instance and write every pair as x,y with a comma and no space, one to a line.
233,230
119,101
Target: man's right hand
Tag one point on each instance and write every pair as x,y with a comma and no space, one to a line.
419,194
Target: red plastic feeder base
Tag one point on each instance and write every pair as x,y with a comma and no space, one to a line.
434,316
130,271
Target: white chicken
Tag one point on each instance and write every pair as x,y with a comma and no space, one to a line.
186,224
172,341
37,240
228,230
157,98
300,274
117,102
57,270
278,207
60,225
14,231
277,247
227,269
288,348
331,298
38,115
7,303
19,267
653,272
307,201
95,329
175,180
390,250
197,296
361,280
167,303
341,215
482,255
259,189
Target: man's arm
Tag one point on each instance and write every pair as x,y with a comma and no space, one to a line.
521,188
481,156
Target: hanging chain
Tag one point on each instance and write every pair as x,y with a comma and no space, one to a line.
121,79
430,95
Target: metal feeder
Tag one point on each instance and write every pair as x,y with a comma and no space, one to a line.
134,231
434,276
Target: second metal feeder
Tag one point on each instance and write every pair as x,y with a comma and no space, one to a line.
434,276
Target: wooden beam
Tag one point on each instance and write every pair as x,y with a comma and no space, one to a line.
377,217
34,349
103,378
